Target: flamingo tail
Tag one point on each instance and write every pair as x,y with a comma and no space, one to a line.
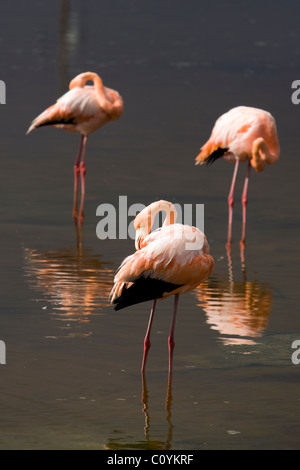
51,117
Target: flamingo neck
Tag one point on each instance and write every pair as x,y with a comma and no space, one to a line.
160,206
103,99
171,215
262,155
81,79
144,221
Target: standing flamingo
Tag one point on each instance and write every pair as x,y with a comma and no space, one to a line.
169,261
241,134
84,109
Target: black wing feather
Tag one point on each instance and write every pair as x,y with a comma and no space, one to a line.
58,121
215,155
142,290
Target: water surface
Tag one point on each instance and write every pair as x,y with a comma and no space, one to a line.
72,378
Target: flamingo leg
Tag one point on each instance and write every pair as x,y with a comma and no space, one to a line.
76,176
231,202
244,203
147,343
82,177
171,336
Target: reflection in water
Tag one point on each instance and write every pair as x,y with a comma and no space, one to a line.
239,310
63,44
151,442
160,445
70,37
72,280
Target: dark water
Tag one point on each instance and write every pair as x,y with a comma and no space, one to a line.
71,378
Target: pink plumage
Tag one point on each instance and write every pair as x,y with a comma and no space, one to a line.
172,260
83,109
236,133
242,134
164,256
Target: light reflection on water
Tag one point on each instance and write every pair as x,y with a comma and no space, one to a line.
238,310
73,281
169,70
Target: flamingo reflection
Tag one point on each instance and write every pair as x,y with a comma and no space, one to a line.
151,441
238,310
73,281
166,444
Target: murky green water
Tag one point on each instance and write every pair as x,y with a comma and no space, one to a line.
72,378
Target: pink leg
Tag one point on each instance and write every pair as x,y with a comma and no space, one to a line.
231,202
147,343
82,176
76,176
244,202
171,336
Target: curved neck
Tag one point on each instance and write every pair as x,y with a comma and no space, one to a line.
261,154
103,100
145,219
171,215
81,79
161,206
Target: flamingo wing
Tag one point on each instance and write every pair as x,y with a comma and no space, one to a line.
76,107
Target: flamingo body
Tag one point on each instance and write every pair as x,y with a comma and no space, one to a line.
236,135
163,265
75,111
83,109
80,110
242,134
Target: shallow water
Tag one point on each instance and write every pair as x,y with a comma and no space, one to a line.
72,375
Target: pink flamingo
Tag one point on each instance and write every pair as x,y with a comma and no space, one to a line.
242,134
172,260
84,109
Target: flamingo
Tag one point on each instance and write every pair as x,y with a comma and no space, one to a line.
84,109
171,260
242,134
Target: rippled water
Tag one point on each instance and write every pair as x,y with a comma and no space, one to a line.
72,378
73,283
239,310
